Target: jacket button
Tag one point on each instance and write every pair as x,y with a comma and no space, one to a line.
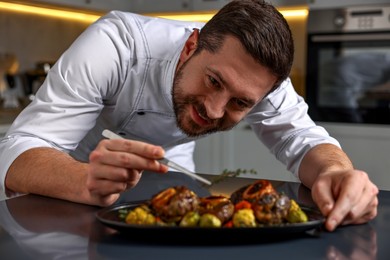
141,113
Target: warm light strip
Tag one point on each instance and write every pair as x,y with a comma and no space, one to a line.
295,13
89,18
186,17
204,17
72,15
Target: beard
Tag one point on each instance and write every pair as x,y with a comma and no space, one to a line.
181,103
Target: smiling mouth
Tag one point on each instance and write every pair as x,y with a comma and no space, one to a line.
200,119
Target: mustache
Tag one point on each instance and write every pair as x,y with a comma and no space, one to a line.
202,112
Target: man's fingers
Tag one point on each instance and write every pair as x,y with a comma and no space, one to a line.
356,201
117,181
105,187
323,196
135,147
117,164
126,154
366,208
136,176
367,202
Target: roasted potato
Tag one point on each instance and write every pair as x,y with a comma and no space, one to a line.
244,218
141,215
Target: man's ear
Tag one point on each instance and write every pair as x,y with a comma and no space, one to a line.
190,46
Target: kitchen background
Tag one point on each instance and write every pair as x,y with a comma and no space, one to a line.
30,43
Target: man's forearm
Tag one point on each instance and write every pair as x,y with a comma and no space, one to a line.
322,158
48,172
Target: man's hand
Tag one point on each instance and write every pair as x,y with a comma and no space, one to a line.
117,165
345,197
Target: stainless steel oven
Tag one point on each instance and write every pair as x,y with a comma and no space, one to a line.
348,64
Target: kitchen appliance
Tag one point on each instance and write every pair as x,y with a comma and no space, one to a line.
348,64
10,83
36,77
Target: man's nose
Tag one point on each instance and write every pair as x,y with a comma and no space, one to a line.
216,106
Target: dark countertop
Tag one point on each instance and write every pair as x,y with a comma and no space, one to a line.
35,227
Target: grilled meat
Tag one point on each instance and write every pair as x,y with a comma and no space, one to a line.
173,203
219,206
272,208
268,205
252,192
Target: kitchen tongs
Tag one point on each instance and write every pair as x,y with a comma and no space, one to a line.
111,135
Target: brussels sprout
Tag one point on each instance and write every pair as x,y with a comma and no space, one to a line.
209,220
244,218
191,219
161,223
296,214
141,216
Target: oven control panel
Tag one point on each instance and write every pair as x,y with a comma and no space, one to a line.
351,19
367,18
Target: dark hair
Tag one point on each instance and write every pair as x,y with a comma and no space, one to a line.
261,29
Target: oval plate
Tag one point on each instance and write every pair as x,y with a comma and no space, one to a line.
110,217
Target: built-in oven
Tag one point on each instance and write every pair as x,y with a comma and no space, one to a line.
348,64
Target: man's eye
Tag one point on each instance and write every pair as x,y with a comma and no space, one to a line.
213,82
240,104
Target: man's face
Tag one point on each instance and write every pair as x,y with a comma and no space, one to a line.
213,92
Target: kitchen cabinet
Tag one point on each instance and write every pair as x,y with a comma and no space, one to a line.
157,6
288,3
319,4
94,5
152,6
138,6
207,5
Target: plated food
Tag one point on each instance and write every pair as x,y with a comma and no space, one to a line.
252,206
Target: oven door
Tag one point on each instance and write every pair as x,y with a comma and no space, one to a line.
348,77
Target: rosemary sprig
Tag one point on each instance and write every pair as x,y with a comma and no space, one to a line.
229,173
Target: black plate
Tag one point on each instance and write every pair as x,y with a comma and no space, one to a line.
110,217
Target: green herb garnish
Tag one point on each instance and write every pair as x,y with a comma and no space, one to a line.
228,173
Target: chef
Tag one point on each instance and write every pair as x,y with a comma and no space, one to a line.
163,84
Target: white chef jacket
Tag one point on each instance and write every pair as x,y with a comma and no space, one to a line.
118,74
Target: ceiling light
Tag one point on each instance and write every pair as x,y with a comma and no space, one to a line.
64,14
